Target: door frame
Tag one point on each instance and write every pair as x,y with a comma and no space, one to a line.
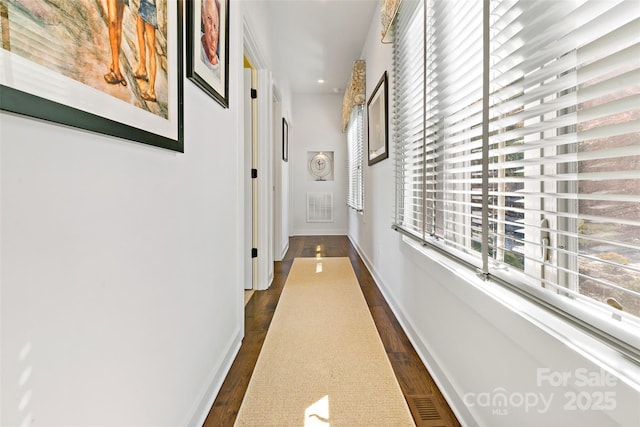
261,159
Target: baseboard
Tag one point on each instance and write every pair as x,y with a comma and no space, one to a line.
446,388
329,232
201,409
285,249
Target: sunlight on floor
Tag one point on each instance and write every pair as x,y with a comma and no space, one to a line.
319,267
317,415
247,295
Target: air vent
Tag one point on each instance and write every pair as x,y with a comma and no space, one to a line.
319,207
424,409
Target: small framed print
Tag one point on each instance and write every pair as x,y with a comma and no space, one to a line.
320,165
208,47
377,113
285,140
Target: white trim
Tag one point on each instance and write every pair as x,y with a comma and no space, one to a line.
254,52
200,410
245,145
252,48
285,249
320,232
265,180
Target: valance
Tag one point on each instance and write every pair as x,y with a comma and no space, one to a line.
387,15
355,92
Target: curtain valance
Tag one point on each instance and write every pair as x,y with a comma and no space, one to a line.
355,92
387,15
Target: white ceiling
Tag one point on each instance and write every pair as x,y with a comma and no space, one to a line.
318,39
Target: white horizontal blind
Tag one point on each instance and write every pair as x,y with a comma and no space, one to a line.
408,105
355,196
453,122
565,146
563,118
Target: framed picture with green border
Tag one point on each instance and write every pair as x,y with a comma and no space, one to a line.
112,67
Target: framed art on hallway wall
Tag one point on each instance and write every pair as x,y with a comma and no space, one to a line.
320,165
285,140
377,113
208,47
119,73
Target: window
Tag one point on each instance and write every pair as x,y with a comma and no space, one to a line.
517,127
355,197
408,112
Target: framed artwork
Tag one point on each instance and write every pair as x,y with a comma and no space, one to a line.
285,140
208,47
377,113
123,80
320,165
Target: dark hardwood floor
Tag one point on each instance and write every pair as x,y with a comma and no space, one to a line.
425,400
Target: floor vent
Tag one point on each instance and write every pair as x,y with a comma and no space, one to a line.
424,409
319,207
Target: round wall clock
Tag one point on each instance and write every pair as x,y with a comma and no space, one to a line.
320,166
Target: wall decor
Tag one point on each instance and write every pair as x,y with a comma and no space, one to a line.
285,140
377,113
320,165
123,79
208,47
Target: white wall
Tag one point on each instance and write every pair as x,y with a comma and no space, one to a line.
121,274
471,342
317,128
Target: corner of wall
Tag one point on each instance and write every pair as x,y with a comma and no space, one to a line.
200,410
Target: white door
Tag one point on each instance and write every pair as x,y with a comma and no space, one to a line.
249,215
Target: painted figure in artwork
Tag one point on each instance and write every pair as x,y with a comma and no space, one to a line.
115,10
211,35
146,25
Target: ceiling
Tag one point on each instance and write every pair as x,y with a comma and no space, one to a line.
318,39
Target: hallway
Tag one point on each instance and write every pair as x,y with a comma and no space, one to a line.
417,385
495,237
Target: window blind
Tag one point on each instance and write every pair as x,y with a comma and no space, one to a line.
453,123
552,187
564,147
408,106
355,141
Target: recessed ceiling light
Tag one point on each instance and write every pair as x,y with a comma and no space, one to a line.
320,81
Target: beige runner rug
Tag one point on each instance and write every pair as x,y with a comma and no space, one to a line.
322,362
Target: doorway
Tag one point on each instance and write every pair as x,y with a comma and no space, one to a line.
250,184
258,182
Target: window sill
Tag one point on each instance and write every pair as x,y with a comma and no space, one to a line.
581,341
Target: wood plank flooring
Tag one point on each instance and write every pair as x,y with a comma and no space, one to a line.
414,379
